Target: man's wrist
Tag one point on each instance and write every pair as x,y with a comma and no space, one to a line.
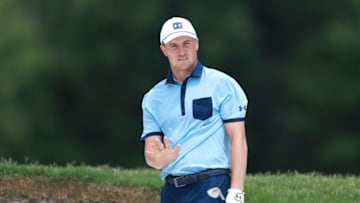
235,189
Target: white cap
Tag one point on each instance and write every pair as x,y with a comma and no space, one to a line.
176,27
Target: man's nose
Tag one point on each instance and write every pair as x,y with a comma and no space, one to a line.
182,51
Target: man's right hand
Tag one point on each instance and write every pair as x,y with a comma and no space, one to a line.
158,155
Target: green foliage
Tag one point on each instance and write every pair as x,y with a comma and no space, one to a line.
73,73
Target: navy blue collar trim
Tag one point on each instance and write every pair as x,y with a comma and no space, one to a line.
196,73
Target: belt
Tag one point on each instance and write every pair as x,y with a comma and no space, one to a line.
182,181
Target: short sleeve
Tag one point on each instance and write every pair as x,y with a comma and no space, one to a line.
234,104
150,125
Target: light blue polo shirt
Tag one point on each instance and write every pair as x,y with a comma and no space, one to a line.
192,114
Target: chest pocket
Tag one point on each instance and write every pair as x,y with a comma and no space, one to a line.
202,108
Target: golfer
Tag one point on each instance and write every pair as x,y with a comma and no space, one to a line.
194,124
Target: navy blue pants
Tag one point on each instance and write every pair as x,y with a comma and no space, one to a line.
197,192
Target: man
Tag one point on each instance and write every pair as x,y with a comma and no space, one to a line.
194,129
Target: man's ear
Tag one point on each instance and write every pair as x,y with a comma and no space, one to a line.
162,47
197,44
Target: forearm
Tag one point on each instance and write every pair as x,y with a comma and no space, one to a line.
239,151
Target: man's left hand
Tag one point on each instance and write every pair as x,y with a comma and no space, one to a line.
235,196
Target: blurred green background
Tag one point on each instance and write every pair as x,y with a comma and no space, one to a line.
73,73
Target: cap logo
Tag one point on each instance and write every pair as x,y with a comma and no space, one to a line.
177,25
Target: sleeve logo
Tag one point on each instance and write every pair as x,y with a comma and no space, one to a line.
243,108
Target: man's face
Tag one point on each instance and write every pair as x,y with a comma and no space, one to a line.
182,53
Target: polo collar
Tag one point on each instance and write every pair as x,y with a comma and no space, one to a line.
196,73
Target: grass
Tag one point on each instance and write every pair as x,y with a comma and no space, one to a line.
289,187
105,175
295,187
